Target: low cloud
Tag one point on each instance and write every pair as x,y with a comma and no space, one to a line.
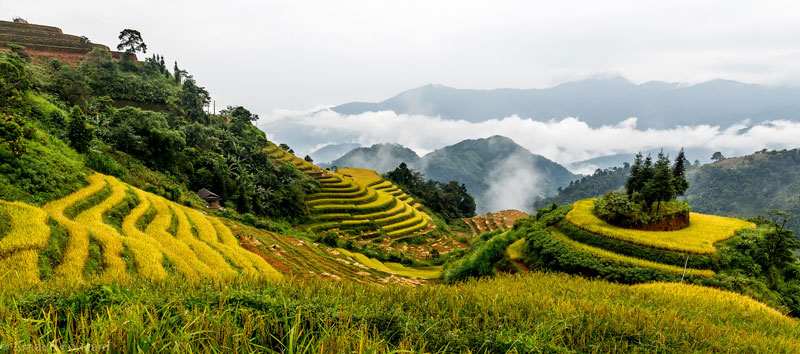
513,184
562,140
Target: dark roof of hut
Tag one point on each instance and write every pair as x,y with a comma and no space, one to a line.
207,195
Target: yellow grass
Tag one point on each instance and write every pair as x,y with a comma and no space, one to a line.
19,248
515,249
422,224
726,302
201,245
92,220
260,267
394,268
362,176
383,185
414,219
28,228
626,259
344,199
180,255
20,270
399,207
186,260
699,237
77,249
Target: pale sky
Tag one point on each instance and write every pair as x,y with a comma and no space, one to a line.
270,55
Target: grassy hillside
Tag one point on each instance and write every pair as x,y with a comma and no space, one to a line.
536,312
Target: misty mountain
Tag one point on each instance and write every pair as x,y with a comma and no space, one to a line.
379,157
331,152
498,172
742,187
604,162
601,101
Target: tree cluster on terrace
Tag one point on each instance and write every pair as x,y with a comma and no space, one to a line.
655,182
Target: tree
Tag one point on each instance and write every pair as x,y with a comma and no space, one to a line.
308,159
287,148
78,133
632,184
679,182
11,134
660,187
778,244
717,156
131,41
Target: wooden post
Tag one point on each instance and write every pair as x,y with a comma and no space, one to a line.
684,268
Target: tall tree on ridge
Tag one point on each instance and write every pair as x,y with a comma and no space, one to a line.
679,182
131,41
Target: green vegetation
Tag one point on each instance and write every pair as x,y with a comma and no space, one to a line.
600,182
130,261
617,209
537,312
172,150
450,200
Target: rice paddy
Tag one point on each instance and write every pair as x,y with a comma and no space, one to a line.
501,220
359,204
200,247
698,238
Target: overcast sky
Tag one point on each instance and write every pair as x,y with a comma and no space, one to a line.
270,55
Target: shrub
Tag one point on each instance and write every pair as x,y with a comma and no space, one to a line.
617,209
104,164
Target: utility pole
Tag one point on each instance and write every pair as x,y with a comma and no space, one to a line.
684,268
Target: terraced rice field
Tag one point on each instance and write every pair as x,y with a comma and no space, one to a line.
303,258
501,220
602,253
360,204
664,251
698,238
173,240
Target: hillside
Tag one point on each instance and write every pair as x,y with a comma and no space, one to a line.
599,101
743,186
500,173
47,42
133,221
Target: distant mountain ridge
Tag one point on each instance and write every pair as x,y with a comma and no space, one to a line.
498,172
600,101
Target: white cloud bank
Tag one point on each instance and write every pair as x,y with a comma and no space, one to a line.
564,141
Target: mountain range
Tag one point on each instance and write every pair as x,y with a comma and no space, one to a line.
498,172
600,101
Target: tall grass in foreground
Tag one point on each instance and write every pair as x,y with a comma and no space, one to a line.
536,312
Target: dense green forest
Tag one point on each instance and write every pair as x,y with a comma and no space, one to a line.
451,200
137,121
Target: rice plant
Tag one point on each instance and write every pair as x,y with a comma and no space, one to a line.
699,237
77,249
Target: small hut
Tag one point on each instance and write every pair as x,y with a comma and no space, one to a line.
211,199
